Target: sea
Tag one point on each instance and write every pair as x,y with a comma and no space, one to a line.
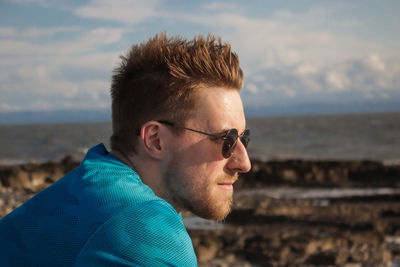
315,137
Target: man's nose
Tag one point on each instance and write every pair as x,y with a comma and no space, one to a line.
239,161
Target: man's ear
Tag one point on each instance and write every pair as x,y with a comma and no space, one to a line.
151,138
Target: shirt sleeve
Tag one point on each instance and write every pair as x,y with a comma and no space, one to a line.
149,234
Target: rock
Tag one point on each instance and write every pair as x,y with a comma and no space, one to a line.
15,177
320,173
289,175
321,258
207,248
35,176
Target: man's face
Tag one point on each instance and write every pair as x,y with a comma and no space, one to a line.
197,177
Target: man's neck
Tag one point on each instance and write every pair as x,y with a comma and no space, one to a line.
148,173
122,156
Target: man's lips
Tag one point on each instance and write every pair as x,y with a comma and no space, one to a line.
227,185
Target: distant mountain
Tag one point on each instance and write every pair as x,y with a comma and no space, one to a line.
324,108
63,116
55,116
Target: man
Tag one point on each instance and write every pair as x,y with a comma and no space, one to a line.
179,141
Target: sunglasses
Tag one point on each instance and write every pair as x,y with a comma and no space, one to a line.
230,138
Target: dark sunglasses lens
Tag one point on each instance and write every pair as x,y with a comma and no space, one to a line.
245,137
229,143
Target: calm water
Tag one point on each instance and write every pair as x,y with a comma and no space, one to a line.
362,136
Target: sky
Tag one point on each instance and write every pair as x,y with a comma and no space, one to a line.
60,54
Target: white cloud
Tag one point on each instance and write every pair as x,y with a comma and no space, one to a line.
305,69
38,75
7,32
6,107
125,11
33,32
42,32
353,80
271,43
338,80
94,39
257,78
350,23
385,96
38,87
311,84
311,18
96,61
368,95
96,88
290,93
290,55
222,7
252,88
87,42
29,2
375,63
309,39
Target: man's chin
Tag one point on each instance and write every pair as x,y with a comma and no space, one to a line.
219,216
214,212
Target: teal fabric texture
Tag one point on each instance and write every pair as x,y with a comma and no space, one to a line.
99,214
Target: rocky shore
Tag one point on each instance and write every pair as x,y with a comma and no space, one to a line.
286,213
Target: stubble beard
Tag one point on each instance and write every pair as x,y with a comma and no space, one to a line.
202,199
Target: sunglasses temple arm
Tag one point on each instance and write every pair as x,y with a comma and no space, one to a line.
193,130
212,135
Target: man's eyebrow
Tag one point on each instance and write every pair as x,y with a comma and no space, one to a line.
222,132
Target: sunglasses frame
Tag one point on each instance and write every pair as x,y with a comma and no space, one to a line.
227,148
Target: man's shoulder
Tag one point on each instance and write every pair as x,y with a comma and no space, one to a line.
148,233
148,215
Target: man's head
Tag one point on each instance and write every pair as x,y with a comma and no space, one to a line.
164,86
158,79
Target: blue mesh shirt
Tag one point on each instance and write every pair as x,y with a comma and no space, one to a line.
100,214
